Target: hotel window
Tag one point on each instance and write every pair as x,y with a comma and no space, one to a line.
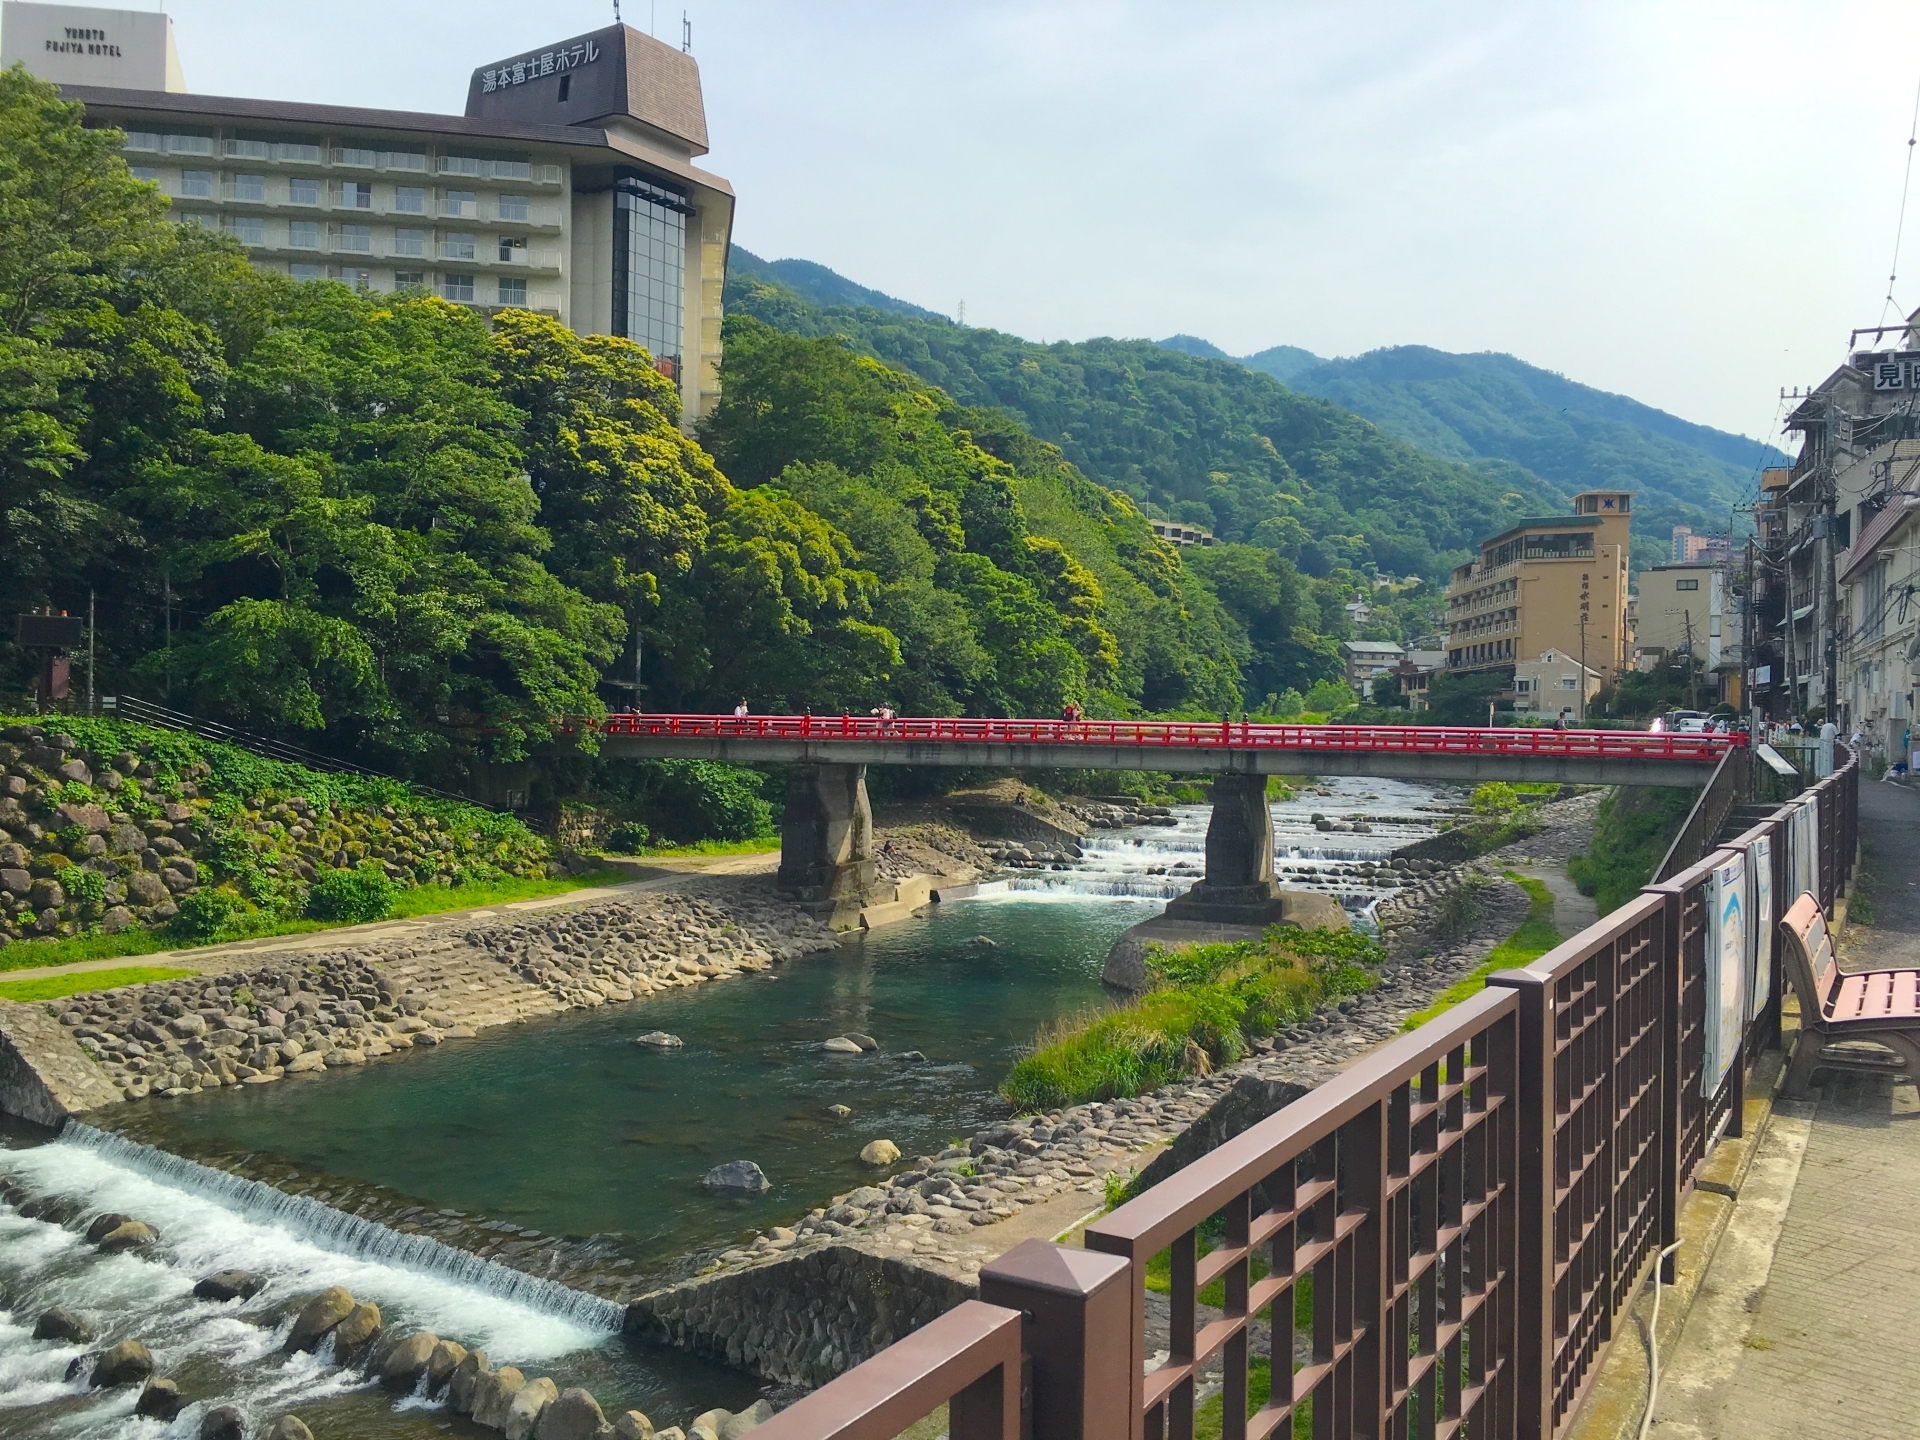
304,154
356,195
513,207
353,157
141,140
406,279
304,235
303,192
144,172
1686,584
457,287
513,291
358,279
459,202
196,184
457,247
649,255
250,187
249,150
250,230
189,145
401,160
410,242
354,240
513,250
410,200
307,272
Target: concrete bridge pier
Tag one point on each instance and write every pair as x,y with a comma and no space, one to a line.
826,838
1237,900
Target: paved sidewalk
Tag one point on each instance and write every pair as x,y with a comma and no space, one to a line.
1808,1326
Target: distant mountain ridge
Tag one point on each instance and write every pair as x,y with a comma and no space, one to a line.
818,285
1282,362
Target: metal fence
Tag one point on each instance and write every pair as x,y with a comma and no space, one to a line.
1442,1241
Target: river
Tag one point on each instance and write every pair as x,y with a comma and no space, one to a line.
565,1128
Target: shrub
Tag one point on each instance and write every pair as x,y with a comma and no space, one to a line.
703,800
204,914
1495,798
87,886
1330,697
629,838
353,897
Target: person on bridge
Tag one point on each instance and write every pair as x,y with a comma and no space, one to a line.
886,715
1072,713
1560,720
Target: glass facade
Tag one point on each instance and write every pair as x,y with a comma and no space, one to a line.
649,261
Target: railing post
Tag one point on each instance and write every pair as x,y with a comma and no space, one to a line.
1672,996
1533,1094
1077,1336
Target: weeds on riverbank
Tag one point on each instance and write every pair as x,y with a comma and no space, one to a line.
1205,1006
52,987
1631,832
1537,935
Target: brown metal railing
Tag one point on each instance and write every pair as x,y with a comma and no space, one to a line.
1439,1242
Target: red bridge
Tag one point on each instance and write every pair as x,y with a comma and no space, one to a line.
1408,752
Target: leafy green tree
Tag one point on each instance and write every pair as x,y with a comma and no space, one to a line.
1462,698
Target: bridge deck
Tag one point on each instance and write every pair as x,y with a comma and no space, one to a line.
1406,752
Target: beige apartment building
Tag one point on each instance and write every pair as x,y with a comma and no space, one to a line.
1686,607
567,186
1535,581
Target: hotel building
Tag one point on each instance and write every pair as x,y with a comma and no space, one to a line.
567,187
1535,581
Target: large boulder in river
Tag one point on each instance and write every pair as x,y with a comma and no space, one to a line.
880,1152
573,1415
134,1235
739,1424
228,1285
223,1422
658,1040
288,1427
494,1394
633,1425
445,1359
406,1362
465,1382
127,1363
60,1323
737,1177
161,1401
353,1335
320,1315
529,1403
104,1225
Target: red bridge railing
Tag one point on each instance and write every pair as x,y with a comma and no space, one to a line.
1186,735
1441,1241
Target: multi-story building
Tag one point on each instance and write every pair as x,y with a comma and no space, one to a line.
1689,547
1367,660
1415,673
1681,607
1554,583
1550,684
1178,534
567,186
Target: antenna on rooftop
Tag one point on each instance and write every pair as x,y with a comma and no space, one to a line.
686,34
616,12
963,313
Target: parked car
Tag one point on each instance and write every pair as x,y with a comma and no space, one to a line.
1683,722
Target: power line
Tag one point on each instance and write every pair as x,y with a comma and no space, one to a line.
1893,269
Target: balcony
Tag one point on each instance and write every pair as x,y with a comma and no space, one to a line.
521,171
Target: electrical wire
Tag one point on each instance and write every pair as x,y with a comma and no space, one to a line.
1893,268
1653,1344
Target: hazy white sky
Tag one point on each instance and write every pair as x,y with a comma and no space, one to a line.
1688,203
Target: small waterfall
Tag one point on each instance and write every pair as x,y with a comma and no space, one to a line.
334,1230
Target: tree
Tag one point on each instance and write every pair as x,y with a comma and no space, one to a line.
1462,697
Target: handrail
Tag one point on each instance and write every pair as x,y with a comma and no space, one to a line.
969,1358
1186,734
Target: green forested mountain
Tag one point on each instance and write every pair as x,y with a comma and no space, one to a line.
1203,441
817,285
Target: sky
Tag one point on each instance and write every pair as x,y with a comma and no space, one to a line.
1689,204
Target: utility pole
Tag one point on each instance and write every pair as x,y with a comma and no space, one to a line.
1582,681
1693,686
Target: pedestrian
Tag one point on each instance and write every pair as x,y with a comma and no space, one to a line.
740,710
1560,720
1823,757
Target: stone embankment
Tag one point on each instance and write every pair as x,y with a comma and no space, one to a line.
317,1011
803,1303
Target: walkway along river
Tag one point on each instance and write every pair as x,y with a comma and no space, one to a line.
561,1127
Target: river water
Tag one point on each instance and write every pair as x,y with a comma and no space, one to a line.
564,1127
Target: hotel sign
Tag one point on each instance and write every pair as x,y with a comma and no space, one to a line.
1895,372
533,67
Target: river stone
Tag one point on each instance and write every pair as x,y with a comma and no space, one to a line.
445,1359
742,1176
865,1042
841,1045
359,1330
912,1057
740,1423
529,1403
573,1415
672,1432
406,1362
321,1314
658,1040
880,1152
468,1372
839,1112
134,1235
708,1425
288,1427
633,1425
228,1285
104,1225
124,1364
494,1394
161,1400
60,1323
223,1423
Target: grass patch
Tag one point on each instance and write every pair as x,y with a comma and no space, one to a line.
1205,1006
421,900
1631,833
1535,937
1208,1419
52,987
758,845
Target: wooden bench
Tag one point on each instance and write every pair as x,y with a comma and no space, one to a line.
1841,1014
